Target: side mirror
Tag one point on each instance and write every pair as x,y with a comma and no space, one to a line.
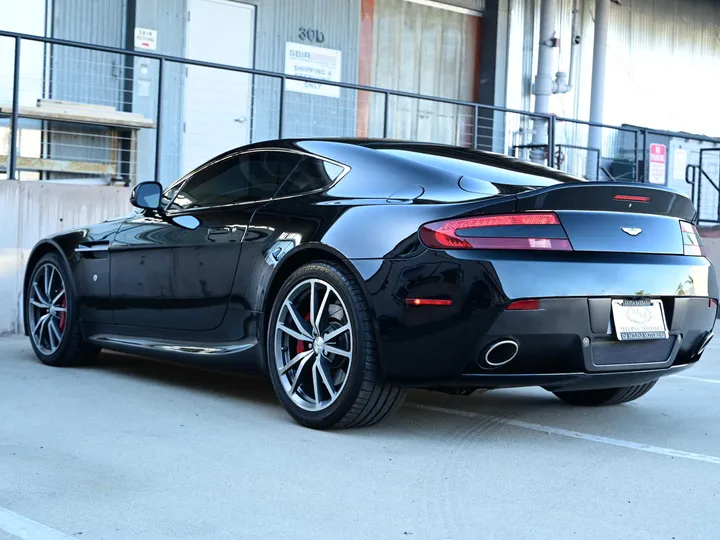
147,195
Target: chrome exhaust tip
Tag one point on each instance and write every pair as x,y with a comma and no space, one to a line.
499,354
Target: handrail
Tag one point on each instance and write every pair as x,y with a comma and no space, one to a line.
262,72
639,134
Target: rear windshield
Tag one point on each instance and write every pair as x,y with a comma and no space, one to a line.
495,168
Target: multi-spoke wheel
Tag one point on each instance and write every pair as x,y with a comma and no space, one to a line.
50,315
313,344
47,313
321,351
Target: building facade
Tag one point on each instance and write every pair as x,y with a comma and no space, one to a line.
664,64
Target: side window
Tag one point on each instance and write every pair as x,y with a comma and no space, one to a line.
168,195
310,174
245,178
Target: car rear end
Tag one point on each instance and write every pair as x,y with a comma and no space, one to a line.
581,286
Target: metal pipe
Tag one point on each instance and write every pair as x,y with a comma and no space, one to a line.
475,128
12,157
574,44
386,115
281,115
158,131
543,86
551,142
636,166
645,157
597,93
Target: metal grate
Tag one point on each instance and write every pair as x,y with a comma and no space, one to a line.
610,352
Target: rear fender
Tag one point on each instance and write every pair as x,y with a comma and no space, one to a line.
390,231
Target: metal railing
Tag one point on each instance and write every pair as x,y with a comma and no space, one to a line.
478,116
713,182
624,155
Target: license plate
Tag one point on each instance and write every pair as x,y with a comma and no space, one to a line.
639,319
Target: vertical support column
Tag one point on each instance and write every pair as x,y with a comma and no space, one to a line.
475,127
636,168
281,118
491,73
386,115
551,142
12,154
158,123
543,86
597,93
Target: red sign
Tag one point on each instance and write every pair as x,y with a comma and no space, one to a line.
658,162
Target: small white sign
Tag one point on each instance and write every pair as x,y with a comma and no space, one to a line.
658,163
313,62
145,39
679,164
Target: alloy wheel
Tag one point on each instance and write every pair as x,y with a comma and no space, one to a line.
47,309
313,344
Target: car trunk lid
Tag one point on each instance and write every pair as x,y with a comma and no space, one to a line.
604,217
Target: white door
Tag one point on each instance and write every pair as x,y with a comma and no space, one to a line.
217,102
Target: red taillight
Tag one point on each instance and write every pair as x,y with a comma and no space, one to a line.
449,234
631,198
692,244
427,302
524,305
713,304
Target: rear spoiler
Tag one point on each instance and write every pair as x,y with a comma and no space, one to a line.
609,197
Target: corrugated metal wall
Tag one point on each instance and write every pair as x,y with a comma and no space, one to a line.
277,22
424,50
280,21
100,22
84,76
664,65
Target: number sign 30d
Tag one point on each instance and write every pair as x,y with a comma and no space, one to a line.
310,34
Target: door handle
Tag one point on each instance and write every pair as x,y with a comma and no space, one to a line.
217,231
241,119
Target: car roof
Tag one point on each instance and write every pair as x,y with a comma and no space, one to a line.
380,167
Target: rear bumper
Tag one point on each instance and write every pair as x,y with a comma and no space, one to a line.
557,381
568,342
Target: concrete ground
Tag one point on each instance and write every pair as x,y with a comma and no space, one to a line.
132,449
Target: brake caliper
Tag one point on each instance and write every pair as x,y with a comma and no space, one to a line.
303,346
63,315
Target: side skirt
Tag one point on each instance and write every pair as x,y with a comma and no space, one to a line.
234,356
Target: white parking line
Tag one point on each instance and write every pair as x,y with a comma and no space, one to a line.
573,434
700,379
26,528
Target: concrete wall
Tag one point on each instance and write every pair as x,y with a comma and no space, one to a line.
33,210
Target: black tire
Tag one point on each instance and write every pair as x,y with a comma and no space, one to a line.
366,397
72,350
605,396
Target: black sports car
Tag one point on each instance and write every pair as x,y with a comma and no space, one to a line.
348,270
